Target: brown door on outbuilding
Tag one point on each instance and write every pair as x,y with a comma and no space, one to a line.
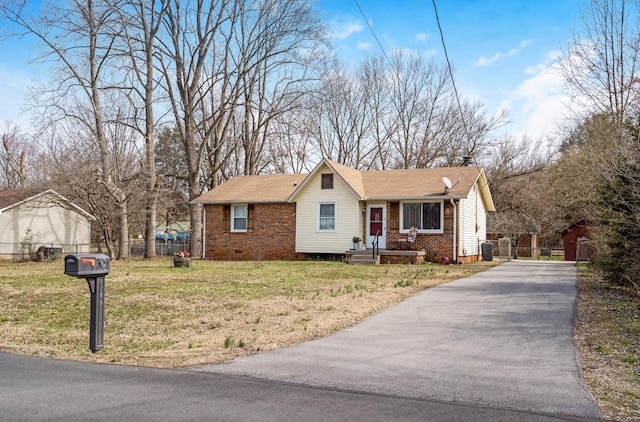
570,235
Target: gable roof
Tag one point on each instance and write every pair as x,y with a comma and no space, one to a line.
13,198
365,185
9,197
351,177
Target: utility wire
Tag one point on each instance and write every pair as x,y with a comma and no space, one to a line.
453,81
372,32
446,55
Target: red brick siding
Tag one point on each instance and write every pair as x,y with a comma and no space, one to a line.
270,237
437,246
394,259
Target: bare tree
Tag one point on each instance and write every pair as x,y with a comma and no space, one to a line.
601,66
290,149
79,39
15,153
516,170
374,76
190,32
601,63
279,43
231,68
77,176
141,21
396,113
339,118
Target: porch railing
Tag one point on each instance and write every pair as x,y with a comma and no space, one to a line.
376,248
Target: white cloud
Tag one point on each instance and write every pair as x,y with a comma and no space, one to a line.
487,61
539,104
364,45
344,29
422,36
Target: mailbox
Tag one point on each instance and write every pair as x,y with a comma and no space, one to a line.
86,265
92,267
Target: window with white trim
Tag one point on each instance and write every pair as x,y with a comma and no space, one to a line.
327,216
427,217
239,214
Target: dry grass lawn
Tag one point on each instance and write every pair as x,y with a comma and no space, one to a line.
608,339
157,315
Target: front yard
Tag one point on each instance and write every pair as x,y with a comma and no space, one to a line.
158,315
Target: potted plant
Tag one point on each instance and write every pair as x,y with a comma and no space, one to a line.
356,242
181,259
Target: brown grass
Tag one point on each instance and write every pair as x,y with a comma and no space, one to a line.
608,339
157,315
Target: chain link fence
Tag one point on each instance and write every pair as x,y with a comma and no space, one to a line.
53,251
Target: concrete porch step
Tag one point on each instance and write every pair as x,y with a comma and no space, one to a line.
364,258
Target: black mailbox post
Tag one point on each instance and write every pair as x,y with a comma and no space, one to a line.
92,267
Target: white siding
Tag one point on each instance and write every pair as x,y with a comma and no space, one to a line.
473,224
50,224
348,217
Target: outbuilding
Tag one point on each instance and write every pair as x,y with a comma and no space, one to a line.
46,222
575,237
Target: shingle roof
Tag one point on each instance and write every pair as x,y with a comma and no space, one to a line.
416,183
366,185
265,188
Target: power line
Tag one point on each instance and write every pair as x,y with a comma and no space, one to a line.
453,81
446,55
372,31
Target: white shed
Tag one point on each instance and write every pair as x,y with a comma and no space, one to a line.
46,219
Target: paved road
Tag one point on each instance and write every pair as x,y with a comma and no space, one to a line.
501,338
493,347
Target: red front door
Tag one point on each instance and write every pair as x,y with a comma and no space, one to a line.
375,221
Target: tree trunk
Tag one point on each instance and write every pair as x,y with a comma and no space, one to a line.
123,250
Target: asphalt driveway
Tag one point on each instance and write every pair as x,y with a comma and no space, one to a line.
501,338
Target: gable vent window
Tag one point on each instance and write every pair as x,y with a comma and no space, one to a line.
327,181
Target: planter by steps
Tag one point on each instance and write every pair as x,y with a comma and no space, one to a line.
181,261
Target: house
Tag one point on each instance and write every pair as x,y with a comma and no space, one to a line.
29,221
293,216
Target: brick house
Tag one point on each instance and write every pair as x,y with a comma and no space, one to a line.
293,216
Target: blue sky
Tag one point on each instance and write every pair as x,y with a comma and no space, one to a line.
502,51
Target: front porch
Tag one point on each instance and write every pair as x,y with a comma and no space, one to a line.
386,256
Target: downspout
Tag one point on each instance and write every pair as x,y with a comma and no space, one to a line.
204,232
455,231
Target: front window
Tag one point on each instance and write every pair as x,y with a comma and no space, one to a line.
239,218
327,217
424,216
